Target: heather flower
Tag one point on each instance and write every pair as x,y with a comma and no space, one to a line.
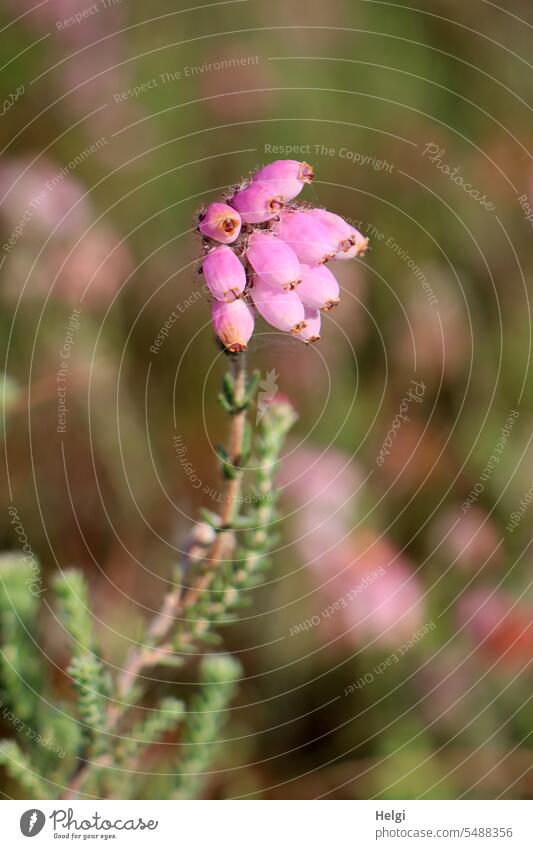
391,606
470,540
224,274
257,203
23,186
285,177
324,484
319,289
311,331
283,310
46,210
274,249
96,267
309,238
350,243
233,323
273,261
220,222
499,623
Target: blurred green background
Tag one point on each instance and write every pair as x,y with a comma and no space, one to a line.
115,128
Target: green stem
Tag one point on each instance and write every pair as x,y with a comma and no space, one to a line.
176,601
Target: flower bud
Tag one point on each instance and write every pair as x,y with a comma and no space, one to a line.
279,415
198,541
319,289
220,222
311,331
233,323
285,177
273,261
310,240
350,242
257,203
224,274
283,310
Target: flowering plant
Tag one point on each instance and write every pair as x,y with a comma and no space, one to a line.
262,251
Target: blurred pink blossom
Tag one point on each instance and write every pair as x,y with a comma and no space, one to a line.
324,485
501,626
46,214
469,539
391,607
99,264
41,196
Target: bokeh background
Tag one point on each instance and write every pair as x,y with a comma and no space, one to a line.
388,652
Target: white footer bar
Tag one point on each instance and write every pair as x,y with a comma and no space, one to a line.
269,825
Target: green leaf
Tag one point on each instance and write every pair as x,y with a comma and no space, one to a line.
228,388
22,771
212,519
20,666
205,719
224,403
89,677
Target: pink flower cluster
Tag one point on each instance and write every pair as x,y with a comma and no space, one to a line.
264,250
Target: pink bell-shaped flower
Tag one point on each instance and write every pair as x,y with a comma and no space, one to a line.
350,242
310,240
233,323
311,331
257,203
283,310
220,222
273,261
285,177
224,274
319,289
